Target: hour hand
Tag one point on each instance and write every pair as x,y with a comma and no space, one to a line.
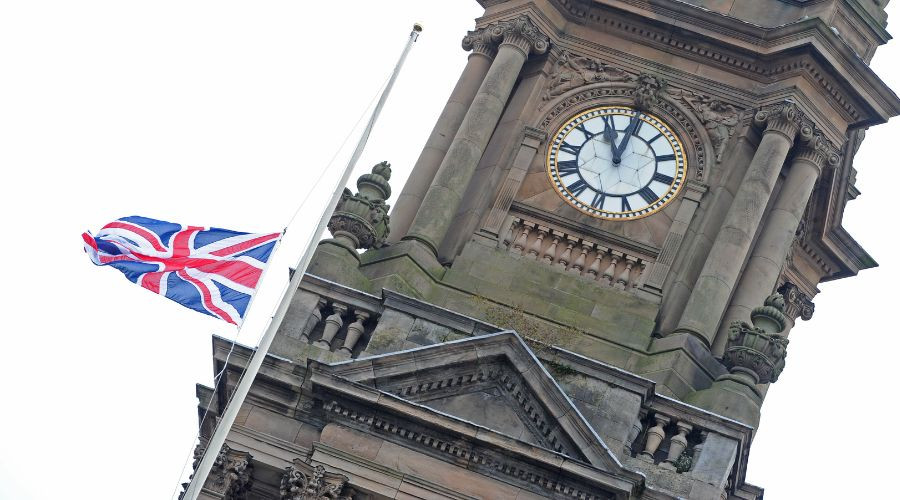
617,153
609,134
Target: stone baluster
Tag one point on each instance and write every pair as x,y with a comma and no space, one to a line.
639,281
677,445
333,323
566,257
633,433
534,249
313,321
550,254
594,269
354,332
511,235
720,272
518,38
610,271
578,265
655,436
698,449
622,280
518,246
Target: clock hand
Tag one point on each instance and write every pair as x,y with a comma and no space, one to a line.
617,154
609,134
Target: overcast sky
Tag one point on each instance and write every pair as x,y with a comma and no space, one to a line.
223,113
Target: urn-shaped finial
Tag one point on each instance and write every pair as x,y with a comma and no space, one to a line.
375,185
361,220
757,352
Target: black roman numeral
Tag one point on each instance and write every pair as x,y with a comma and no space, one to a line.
598,200
637,126
568,148
626,207
584,131
577,187
665,158
567,167
665,179
648,195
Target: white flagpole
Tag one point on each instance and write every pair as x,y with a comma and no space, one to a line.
240,393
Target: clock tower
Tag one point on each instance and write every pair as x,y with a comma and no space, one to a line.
589,280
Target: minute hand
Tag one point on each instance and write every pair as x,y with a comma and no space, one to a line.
617,154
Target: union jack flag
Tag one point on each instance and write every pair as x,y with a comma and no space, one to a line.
210,270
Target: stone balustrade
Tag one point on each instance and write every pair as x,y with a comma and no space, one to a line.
339,327
667,441
577,254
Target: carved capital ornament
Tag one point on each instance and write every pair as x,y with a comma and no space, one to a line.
520,33
784,118
304,481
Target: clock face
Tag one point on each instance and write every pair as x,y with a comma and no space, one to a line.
616,163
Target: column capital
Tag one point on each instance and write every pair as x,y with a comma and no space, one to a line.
796,303
480,41
783,118
520,33
815,148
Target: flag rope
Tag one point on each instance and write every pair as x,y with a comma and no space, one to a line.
219,376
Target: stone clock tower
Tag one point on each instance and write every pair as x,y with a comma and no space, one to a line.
589,279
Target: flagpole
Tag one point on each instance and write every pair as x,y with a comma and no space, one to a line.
240,393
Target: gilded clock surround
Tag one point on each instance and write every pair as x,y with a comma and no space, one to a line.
674,186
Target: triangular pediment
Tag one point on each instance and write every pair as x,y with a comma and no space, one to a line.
493,382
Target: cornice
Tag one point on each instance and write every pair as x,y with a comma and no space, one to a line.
749,49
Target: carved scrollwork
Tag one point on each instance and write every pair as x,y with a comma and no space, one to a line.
718,117
521,33
231,474
797,303
571,71
304,481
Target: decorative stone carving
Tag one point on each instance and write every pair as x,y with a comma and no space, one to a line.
815,148
361,220
480,41
572,71
784,117
520,33
231,474
719,118
758,351
303,481
797,303
648,91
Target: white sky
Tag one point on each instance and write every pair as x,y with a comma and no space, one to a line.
223,113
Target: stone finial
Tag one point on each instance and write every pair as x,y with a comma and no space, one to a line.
648,91
361,220
756,353
522,34
303,481
784,117
231,475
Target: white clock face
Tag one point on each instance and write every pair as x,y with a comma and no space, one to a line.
616,163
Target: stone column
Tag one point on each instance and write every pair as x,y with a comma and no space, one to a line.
483,51
723,264
518,38
761,274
